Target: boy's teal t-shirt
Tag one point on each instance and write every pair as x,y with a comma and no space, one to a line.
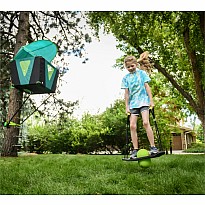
138,96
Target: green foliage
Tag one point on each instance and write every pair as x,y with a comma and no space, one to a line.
196,148
114,118
175,41
161,33
103,132
199,131
70,136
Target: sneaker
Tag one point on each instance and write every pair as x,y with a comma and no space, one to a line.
153,150
134,154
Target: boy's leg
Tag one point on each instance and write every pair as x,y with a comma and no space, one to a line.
146,124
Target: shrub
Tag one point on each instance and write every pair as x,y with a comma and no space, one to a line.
196,148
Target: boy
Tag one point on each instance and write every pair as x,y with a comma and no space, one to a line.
138,98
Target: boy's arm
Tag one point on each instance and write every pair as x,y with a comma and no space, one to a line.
149,92
127,100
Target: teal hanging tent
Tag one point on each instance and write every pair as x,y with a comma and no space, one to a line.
31,69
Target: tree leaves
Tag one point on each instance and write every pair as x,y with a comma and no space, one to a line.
163,35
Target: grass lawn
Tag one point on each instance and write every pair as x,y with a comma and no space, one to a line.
101,174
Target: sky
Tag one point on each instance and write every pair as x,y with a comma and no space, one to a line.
96,84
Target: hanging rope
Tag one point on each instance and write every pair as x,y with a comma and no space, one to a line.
156,129
10,123
35,109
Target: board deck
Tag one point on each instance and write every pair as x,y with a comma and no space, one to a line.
158,154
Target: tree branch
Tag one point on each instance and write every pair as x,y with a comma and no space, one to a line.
59,18
166,74
8,33
10,20
37,24
175,84
6,53
196,71
202,23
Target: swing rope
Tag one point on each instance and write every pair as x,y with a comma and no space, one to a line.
10,123
156,129
35,109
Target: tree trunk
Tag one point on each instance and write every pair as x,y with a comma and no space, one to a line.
202,119
10,141
202,23
197,73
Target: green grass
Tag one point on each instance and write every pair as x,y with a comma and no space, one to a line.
94,174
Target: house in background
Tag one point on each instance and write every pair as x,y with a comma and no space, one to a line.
182,139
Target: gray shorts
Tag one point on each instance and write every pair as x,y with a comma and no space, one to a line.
138,111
